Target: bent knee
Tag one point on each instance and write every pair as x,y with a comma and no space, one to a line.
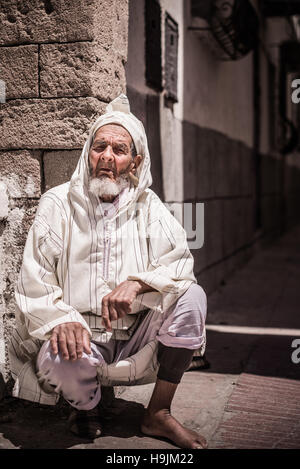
191,308
196,298
47,360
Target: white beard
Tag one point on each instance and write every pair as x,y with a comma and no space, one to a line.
105,187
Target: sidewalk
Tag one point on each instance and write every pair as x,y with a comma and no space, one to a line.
250,396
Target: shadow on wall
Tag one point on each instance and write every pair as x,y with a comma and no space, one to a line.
147,109
220,172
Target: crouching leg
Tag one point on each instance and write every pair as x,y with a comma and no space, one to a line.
182,331
77,382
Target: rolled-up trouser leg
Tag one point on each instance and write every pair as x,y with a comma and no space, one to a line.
173,362
182,332
184,323
179,331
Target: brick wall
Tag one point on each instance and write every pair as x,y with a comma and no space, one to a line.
61,61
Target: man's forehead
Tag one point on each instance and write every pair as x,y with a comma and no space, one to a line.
113,130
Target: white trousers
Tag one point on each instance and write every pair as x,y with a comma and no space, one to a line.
129,362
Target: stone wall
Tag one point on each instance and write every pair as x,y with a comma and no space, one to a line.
61,61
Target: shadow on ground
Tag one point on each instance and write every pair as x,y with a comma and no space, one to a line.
33,426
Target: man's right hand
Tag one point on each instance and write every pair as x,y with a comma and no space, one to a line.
71,339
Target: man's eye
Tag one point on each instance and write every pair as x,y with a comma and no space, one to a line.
99,148
120,150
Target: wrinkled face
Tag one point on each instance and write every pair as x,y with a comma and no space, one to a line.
110,155
110,161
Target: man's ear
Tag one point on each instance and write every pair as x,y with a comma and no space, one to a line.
136,162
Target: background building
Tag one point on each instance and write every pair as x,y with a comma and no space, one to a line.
216,105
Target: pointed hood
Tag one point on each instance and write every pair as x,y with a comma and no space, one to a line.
117,112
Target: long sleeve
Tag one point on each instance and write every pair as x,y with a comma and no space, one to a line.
170,267
38,294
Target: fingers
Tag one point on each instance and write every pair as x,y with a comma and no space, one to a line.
111,311
62,341
54,341
115,306
114,314
105,314
79,341
71,345
70,339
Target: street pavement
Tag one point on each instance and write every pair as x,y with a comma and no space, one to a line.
248,398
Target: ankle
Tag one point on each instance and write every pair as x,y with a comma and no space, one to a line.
158,413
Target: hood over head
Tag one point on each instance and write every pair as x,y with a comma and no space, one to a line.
117,112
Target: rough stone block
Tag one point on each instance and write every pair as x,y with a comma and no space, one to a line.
51,124
121,27
59,166
110,25
44,21
31,21
80,69
19,71
20,172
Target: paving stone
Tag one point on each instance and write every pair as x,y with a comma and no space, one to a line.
262,415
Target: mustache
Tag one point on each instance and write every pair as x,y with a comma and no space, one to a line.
110,167
107,166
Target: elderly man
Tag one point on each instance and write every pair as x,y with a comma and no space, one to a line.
106,294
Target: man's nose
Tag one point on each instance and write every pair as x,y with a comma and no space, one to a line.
107,154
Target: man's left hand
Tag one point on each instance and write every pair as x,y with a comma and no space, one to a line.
118,303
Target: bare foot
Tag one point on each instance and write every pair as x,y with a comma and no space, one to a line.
162,423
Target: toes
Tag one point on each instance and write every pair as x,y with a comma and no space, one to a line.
203,444
200,443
